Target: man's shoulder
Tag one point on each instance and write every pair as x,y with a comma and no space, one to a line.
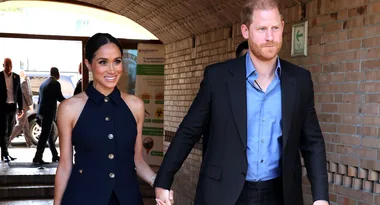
293,68
222,66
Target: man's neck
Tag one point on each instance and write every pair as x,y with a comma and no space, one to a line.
265,69
9,74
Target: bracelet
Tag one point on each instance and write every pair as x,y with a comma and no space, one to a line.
151,182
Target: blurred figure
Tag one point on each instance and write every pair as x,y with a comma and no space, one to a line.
10,95
78,87
27,101
242,49
50,93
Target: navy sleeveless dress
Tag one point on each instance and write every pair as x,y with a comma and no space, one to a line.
104,139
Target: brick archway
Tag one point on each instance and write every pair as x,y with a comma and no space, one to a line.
175,20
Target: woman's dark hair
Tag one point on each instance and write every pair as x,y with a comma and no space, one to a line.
98,40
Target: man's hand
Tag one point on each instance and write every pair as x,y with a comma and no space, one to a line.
164,196
20,113
321,202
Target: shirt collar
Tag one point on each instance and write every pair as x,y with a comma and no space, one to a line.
250,68
6,75
98,97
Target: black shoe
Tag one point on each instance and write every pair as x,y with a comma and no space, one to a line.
55,159
7,158
39,161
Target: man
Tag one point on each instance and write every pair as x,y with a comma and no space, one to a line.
27,101
261,114
78,87
50,92
241,50
10,95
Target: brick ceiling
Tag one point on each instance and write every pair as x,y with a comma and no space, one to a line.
173,20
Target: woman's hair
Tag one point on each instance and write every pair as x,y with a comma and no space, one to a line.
98,40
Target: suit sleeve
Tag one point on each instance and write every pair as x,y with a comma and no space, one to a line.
78,87
313,147
19,94
60,97
188,133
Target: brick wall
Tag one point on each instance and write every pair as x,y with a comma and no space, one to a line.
343,56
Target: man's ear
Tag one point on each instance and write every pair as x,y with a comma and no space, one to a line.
244,31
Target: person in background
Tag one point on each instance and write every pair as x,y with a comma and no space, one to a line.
23,123
10,95
50,92
78,87
242,49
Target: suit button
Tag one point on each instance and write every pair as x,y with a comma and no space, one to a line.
243,174
110,136
112,175
106,99
107,119
111,156
81,171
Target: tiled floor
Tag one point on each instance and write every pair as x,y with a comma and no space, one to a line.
28,202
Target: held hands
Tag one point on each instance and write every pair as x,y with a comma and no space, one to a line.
164,196
321,202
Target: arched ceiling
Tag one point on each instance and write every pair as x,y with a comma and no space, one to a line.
173,20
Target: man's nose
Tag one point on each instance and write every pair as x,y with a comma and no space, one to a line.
269,35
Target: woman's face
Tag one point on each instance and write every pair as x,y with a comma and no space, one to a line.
106,67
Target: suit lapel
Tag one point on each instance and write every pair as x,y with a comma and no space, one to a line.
2,82
288,99
238,97
15,84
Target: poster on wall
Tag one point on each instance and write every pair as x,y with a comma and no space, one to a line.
150,88
127,80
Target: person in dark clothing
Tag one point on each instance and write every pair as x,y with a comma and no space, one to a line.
10,95
105,127
50,92
78,87
242,49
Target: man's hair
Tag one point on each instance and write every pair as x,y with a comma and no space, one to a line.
242,46
251,5
54,71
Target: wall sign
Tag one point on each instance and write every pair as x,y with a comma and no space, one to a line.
299,39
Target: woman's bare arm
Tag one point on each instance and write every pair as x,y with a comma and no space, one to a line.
68,113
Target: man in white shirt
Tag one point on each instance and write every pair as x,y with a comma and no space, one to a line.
10,95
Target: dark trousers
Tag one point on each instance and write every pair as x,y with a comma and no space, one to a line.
7,121
46,136
262,193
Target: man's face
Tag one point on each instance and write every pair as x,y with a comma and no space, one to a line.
7,66
264,35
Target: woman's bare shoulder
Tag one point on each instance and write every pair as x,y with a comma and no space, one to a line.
134,103
75,102
132,99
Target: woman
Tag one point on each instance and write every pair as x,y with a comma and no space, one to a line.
27,101
105,128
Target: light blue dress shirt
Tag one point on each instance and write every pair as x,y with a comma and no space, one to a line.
264,133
